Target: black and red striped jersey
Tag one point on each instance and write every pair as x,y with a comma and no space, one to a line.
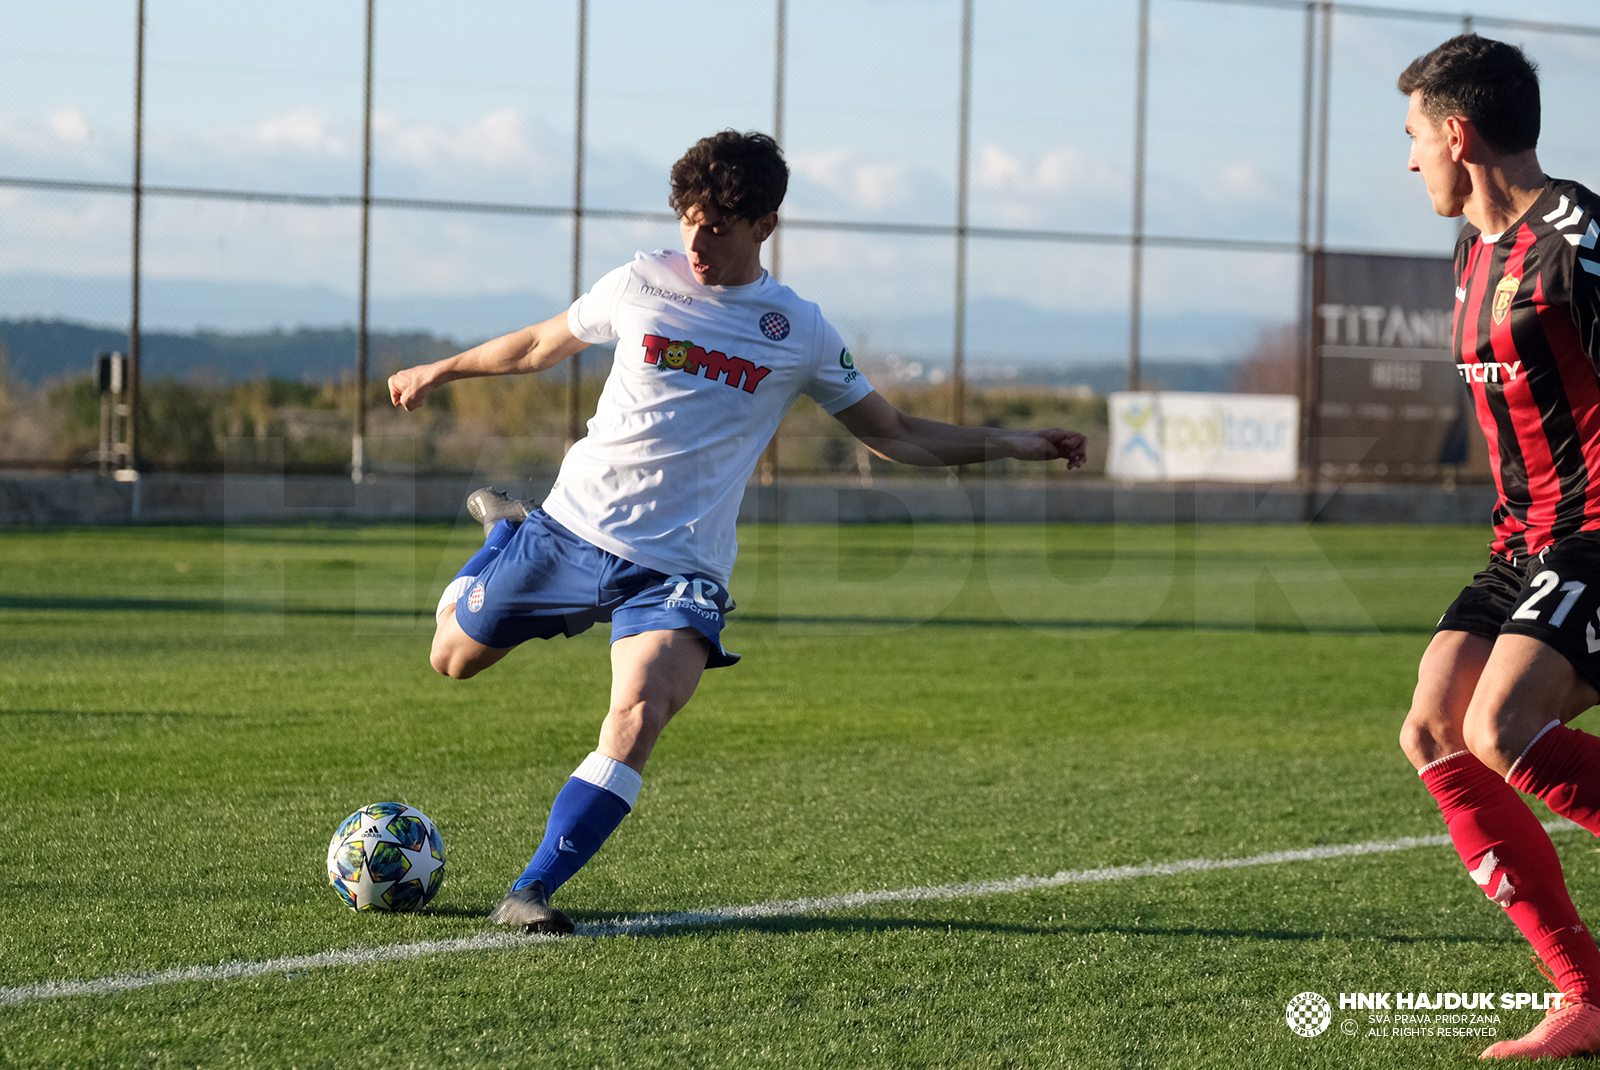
1527,341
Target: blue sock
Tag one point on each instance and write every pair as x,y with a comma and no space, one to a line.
584,814
496,541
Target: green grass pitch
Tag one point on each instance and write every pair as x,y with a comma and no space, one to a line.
186,714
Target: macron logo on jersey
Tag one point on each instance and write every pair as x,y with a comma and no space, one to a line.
685,356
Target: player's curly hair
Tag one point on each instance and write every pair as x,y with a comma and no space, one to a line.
742,176
1490,83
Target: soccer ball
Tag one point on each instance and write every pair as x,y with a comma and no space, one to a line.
387,856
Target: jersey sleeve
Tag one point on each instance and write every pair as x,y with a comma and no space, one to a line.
591,316
835,383
1586,290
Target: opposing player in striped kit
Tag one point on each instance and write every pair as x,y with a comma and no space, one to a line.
1515,655
639,527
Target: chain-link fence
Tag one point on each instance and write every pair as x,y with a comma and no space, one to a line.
1008,209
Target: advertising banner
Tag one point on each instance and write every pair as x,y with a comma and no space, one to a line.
1390,401
1172,437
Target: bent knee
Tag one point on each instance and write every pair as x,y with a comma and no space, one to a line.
453,667
453,662
1428,734
1484,738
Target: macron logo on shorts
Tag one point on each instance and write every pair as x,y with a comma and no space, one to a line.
475,599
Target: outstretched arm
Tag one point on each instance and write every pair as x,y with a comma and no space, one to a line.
532,349
894,436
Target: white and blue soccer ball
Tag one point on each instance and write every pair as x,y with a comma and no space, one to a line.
387,856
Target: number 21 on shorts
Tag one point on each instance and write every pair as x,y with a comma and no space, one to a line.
1545,584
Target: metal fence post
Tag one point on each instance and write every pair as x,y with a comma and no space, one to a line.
958,365
769,456
1136,268
1305,311
132,470
1319,241
575,362
358,441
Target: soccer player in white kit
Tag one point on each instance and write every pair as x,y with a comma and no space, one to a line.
639,528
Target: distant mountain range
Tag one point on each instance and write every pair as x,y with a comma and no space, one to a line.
39,351
52,326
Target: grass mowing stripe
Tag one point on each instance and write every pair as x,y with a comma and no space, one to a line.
775,908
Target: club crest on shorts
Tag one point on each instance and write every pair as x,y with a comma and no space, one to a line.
775,325
475,598
1503,295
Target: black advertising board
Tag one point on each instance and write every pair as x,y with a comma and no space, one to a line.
1390,402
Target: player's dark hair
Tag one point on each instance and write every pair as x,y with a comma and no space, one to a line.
1490,83
742,176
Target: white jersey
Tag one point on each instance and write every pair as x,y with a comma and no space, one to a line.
702,377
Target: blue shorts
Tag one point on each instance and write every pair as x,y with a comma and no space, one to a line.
548,582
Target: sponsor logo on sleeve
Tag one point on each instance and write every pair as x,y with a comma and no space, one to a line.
848,363
685,356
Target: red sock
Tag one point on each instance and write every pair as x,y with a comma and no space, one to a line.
1511,857
1562,768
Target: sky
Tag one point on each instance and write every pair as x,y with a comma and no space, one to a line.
476,102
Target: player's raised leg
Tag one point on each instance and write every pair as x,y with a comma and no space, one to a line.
454,652
653,676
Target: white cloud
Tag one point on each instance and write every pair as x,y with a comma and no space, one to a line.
500,140
864,182
303,130
1062,170
69,124
1244,182
63,141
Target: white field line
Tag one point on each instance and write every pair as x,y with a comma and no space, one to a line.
776,908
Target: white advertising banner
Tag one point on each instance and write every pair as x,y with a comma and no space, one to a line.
1175,437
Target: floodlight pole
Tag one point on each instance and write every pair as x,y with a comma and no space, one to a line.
574,362
958,365
130,471
358,441
1136,249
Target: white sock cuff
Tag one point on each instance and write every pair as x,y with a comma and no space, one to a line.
452,594
1440,761
1513,770
612,775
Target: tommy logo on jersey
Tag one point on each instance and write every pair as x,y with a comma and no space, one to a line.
1503,295
685,356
